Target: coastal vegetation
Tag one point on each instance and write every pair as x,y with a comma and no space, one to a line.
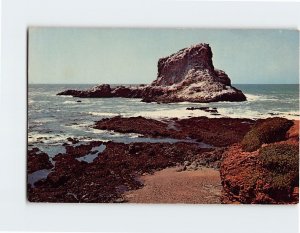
266,131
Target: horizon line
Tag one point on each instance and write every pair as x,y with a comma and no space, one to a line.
149,84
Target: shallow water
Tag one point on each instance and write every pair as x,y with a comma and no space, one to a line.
37,175
95,151
52,118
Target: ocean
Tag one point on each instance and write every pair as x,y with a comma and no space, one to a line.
52,119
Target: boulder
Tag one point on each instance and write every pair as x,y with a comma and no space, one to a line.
103,90
37,160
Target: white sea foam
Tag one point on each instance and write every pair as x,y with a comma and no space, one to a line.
57,140
224,112
247,113
43,121
81,126
30,101
50,138
189,103
70,102
112,133
103,114
171,113
240,113
137,100
251,97
292,115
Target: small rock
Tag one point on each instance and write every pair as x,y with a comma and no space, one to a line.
119,200
186,163
180,169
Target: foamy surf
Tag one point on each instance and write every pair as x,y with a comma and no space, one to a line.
251,97
103,114
223,112
70,102
35,137
171,113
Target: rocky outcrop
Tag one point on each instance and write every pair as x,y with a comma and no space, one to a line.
37,160
188,75
268,175
217,132
100,91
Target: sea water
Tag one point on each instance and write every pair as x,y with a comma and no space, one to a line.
52,118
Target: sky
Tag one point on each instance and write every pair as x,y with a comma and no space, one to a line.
130,56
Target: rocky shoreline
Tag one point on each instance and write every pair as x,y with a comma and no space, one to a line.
103,171
214,131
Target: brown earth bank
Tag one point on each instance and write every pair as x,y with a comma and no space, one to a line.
247,175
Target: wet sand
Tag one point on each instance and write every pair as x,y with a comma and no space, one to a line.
201,186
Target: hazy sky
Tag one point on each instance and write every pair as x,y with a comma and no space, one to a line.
114,56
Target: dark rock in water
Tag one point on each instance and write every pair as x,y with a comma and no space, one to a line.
205,109
127,92
103,91
211,110
73,140
37,160
70,92
121,91
290,114
197,108
78,101
100,91
188,75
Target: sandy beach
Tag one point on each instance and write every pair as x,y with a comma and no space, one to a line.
202,186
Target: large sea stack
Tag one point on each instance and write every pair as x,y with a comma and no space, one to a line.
188,75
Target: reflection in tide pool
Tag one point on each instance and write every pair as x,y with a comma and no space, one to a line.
95,151
37,175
